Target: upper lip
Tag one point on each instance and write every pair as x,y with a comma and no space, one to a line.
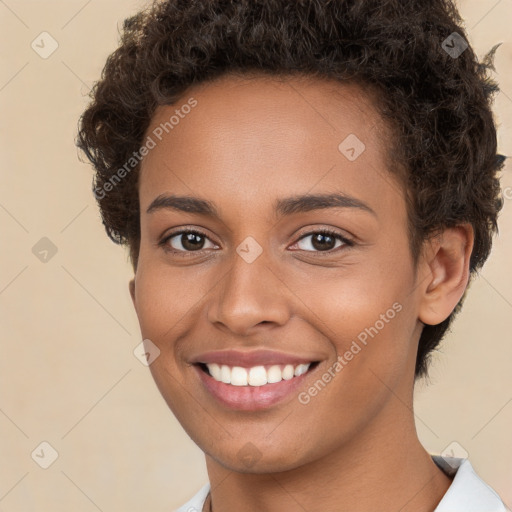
249,359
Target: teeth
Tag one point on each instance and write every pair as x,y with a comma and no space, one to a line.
288,372
238,376
215,371
274,374
225,374
301,369
255,376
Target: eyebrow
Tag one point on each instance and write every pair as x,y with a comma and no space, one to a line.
283,207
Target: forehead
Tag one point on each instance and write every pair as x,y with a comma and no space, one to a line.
246,136
263,103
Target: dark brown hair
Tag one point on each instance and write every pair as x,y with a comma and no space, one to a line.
433,91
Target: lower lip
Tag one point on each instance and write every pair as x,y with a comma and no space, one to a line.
250,398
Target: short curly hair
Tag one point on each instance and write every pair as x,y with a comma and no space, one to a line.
437,103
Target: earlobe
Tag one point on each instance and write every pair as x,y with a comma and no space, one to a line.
447,274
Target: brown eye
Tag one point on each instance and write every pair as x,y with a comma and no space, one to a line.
322,241
186,241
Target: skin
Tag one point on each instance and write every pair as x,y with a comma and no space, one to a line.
247,143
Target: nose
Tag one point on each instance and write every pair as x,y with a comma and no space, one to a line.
249,296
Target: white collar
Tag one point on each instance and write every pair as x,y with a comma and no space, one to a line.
468,492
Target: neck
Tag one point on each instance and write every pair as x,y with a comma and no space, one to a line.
384,468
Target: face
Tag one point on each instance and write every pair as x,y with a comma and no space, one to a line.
274,248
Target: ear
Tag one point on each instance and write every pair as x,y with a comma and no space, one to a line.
131,286
446,277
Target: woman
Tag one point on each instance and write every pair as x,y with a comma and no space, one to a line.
306,189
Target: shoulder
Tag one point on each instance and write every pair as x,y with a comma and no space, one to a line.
468,491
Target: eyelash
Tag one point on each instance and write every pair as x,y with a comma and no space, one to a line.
325,231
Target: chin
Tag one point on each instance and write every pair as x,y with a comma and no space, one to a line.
248,458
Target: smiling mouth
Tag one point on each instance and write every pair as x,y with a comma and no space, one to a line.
255,376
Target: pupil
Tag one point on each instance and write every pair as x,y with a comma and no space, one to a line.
191,241
319,241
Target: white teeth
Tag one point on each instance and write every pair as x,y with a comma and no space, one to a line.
300,369
215,371
255,376
274,374
225,374
238,376
288,372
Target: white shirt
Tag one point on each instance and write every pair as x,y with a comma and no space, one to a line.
467,493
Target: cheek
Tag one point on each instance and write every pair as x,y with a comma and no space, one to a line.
369,327
358,301
167,298
368,316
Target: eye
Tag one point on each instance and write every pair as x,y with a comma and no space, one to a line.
192,240
186,240
323,241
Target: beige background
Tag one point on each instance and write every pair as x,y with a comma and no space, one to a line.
68,373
